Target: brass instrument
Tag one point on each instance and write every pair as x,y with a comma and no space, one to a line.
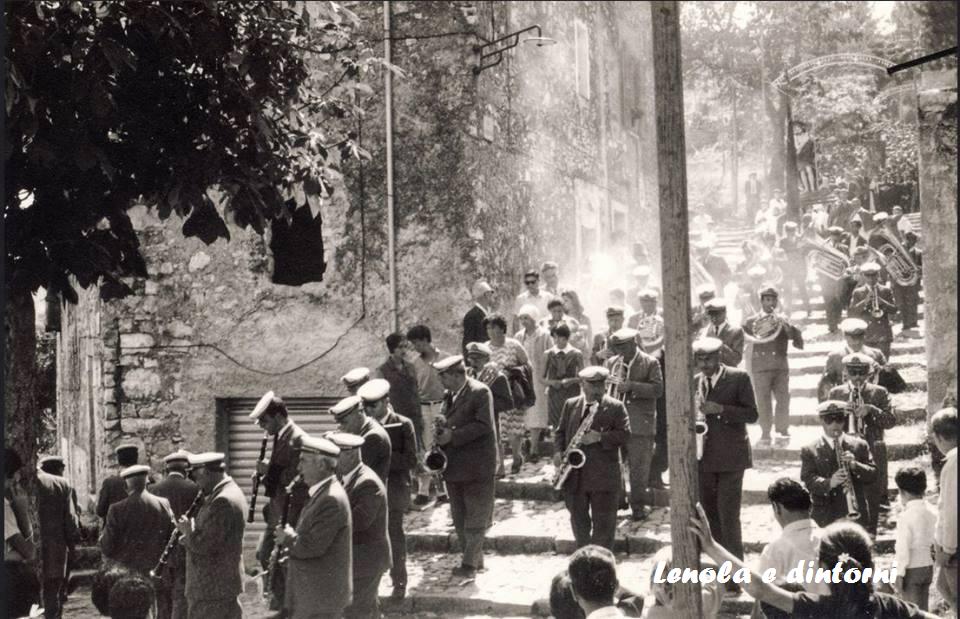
853,507
573,457
700,425
487,375
650,328
766,329
435,461
175,537
875,310
855,423
825,260
273,569
251,512
896,259
619,371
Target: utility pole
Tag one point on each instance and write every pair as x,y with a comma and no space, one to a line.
675,261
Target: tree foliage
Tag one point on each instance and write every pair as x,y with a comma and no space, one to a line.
217,111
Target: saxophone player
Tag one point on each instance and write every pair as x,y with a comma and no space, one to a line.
870,412
873,302
828,482
591,492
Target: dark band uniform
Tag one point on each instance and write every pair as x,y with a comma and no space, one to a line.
833,368
215,549
471,461
114,489
59,534
376,442
591,493
371,544
601,345
180,492
819,461
731,338
403,461
879,333
726,447
320,555
137,528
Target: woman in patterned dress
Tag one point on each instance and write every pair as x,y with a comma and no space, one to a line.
507,352
563,364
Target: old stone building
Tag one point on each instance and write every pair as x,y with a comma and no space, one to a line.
548,155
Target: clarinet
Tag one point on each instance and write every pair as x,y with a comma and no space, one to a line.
274,566
256,481
175,536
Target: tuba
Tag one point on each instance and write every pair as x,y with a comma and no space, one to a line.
651,333
896,259
825,260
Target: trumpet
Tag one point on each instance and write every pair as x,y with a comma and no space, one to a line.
853,507
875,309
619,370
175,537
435,461
573,457
274,567
700,424
855,423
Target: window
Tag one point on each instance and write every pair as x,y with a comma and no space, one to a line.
297,249
582,57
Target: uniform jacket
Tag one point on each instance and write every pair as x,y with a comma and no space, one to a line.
472,451
320,564
113,490
473,330
818,462
731,354
643,386
368,513
137,531
375,451
281,470
833,368
772,356
880,417
601,471
727,446
215,548
59,530
404,394
178,490
878,329
403,459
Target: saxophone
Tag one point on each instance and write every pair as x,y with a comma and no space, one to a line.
853,507
855,423
700,424
573,457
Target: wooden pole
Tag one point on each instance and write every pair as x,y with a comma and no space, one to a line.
675,265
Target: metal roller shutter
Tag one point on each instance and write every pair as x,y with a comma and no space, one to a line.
243,445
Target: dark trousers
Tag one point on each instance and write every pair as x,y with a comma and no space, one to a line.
639,457
882,345
661,460
907,299
221,609
366,600
720,495
832,301
23,588
164,596
875,491
773,384
593,517
178,594
471,507
916,585
53,595
398,548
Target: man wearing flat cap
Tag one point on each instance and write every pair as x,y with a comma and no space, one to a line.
869,413
853,330
479,367
320,548
794,266
368,515
469,442
873,302
271,415
726,399
353,379
214,541
770,333
403,462
731,353
483,300
601,341
352,419
822,474
138,527
59,533
180,492
638,383
114,489
699,320
591,493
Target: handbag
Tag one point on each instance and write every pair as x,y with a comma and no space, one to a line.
521,385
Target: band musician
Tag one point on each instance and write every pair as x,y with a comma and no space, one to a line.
731,352
181,492
853,330
873,302
352,419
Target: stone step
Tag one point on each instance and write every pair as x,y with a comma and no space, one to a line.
86,557
523,527
822,347
815,365
83,577
805,385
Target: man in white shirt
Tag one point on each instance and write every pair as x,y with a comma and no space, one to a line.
944,430
593,578
915,528
533,295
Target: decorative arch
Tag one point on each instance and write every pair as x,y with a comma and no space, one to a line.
831,60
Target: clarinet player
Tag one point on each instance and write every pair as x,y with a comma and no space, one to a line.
592,491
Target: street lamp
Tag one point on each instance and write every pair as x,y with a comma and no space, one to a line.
496,48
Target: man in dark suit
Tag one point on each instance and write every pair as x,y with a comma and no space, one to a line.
320,555
640,384
822,474
873,302
403,461
473,329
869,413
601,341
853,330
271,415
214,542
831,289
181,493
469,442
113,488
59,534
726,400
769,367
368,510
731,353
591,493
351,419
138,527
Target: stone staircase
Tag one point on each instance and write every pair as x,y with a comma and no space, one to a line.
531,535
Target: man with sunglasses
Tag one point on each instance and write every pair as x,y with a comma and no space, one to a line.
822,474
533,295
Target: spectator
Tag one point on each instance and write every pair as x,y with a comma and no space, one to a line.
593,578
563,605
915,529
483,300
550,272
944,428
103,583
132,597
711,594
533,295
23,588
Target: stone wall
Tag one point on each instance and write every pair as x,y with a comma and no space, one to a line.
937,102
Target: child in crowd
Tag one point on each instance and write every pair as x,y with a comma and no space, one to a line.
915,528
944,429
